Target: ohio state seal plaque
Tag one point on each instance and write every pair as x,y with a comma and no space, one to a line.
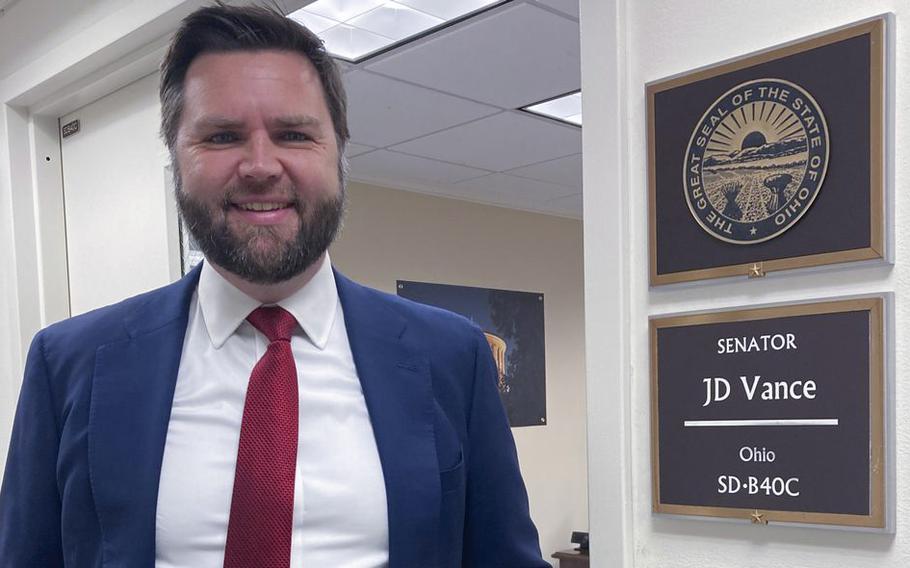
756,161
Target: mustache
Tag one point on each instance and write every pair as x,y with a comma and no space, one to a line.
284,192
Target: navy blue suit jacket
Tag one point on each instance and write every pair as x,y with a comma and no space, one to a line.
81,481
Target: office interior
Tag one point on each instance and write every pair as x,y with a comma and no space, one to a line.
452,181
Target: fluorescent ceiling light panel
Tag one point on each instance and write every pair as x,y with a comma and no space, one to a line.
342,10
566,108
446,9
314,23
349,42
396,21
355,29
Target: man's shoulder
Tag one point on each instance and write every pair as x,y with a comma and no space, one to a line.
114,322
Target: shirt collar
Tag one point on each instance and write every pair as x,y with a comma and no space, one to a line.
225,308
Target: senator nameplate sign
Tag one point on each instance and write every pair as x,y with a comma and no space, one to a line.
772,414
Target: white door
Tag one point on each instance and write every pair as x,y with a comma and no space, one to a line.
121,229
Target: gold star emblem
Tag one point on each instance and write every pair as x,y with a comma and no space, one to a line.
758,518
756,271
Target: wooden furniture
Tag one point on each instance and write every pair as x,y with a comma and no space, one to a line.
572,558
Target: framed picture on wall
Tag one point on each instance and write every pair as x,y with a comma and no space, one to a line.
513,324
772,161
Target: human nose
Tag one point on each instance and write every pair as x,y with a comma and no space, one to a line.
260,161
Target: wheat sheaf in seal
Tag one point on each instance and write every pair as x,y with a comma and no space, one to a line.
756,161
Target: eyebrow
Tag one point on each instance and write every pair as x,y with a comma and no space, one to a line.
290,121
218,123
296,121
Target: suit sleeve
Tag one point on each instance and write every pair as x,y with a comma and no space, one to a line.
29,499
498,527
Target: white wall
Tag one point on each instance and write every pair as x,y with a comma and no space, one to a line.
117,199
607,264
10,363
394,235
34,27
657,39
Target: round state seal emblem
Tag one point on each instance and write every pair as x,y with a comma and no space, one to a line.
756,161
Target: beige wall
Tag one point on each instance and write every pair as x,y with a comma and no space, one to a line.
394,235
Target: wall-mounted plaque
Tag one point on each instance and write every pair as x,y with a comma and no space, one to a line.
513,323
771,161
772,414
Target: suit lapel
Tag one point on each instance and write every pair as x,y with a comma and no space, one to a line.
132,392
397,387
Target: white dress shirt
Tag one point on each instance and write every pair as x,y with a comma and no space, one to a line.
340,514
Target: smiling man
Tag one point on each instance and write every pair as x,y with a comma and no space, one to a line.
256,156
264,411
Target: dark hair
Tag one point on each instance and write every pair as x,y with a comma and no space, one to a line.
220,29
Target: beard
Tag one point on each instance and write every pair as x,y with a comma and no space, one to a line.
261,255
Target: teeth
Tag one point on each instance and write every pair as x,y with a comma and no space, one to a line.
262,206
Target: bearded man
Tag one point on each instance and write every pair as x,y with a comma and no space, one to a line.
264,411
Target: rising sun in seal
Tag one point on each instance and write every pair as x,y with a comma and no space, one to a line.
756,161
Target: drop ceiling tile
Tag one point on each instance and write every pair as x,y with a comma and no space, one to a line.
562,171
497,58
392,166
568,7
520,192
353,149
344,67
500,142
570,205
383,111
497,199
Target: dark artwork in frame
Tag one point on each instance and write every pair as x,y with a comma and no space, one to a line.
513,324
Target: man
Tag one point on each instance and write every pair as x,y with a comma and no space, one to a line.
263,410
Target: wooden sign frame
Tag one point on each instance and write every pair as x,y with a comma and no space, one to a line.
881,458
682,247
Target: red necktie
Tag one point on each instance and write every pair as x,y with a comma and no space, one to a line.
262,506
